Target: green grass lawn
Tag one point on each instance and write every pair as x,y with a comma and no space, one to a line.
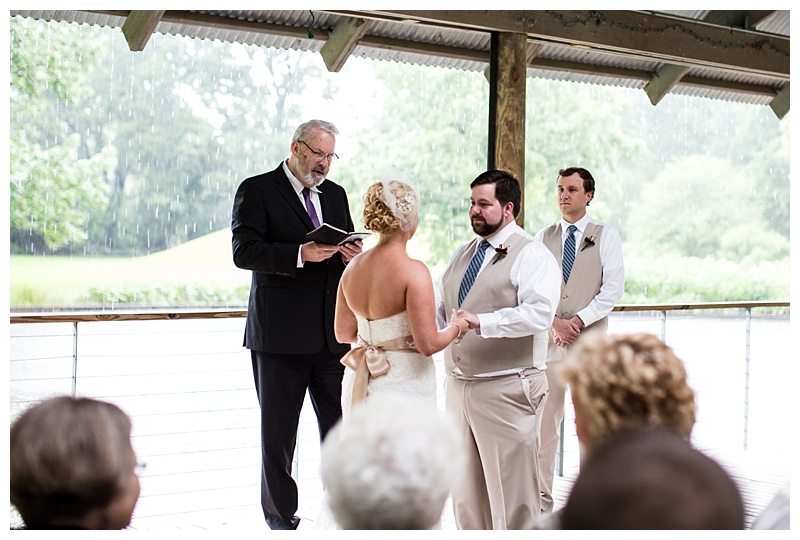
55,281
198,273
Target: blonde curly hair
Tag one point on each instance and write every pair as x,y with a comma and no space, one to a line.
625,382
389,206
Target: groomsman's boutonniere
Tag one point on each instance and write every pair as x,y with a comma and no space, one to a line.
588,241
499,252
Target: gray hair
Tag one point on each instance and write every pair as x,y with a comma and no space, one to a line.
391,464
306,128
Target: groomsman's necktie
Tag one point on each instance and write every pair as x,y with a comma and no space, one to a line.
472,271
310,206
569,252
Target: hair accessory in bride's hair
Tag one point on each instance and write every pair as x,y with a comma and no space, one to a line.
405,208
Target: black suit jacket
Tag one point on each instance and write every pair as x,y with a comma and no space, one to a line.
291,309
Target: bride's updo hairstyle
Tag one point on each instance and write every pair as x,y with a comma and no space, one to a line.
390,205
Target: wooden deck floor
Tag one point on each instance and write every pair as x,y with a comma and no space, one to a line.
218,489
218,504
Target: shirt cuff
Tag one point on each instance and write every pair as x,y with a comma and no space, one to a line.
488,324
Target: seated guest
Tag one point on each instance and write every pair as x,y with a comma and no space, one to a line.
391,465
72,465
652,479
624,382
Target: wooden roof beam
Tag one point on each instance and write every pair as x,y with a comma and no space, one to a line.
662,82
680,41
780,103
342,41
746,19
670,74
139,26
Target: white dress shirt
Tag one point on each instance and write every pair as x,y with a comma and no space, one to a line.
298,188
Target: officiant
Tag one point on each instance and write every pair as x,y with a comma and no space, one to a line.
289,326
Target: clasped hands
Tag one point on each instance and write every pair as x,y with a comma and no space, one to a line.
473,323
460,322
566,331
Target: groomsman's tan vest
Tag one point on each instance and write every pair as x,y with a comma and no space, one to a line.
586,275
491,291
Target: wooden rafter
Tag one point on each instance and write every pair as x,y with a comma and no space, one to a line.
780,104
139,26
679,41
342,42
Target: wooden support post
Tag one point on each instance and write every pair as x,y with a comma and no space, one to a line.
507,107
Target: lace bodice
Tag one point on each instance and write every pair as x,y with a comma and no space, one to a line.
410,373
382,330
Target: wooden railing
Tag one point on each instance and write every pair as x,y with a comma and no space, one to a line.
224,313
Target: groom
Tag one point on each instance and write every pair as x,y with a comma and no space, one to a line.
289,327
507,285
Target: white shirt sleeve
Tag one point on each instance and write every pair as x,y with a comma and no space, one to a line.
612,286
537,278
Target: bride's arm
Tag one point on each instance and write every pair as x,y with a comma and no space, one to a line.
345,325
421,311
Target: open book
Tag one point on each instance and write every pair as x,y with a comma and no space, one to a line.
328,234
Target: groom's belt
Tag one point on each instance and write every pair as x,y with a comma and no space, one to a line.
512,372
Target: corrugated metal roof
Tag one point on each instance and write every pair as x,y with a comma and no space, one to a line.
450,48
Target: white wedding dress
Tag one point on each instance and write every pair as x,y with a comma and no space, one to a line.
411,374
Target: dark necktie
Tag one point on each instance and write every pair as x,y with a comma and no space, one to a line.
569,252
310,207
472,271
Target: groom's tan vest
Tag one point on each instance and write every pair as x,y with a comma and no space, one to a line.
491,291
586,275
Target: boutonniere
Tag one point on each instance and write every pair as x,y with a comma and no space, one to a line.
499,252
588,241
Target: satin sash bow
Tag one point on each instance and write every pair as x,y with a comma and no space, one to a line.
370,361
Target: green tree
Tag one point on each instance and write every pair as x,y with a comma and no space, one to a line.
750,137
53,192
769,167
700,207
571,124
432,130
186,119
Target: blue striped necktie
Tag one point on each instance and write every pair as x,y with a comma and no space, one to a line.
569,252
472,271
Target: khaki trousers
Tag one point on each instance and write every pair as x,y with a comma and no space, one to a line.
500,420
552,416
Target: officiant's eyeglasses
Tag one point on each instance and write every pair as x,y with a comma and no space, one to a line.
319,155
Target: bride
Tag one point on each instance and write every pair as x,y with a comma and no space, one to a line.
385,306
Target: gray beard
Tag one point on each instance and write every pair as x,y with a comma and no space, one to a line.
309,180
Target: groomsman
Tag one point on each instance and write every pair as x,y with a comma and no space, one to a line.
593,280
506,284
